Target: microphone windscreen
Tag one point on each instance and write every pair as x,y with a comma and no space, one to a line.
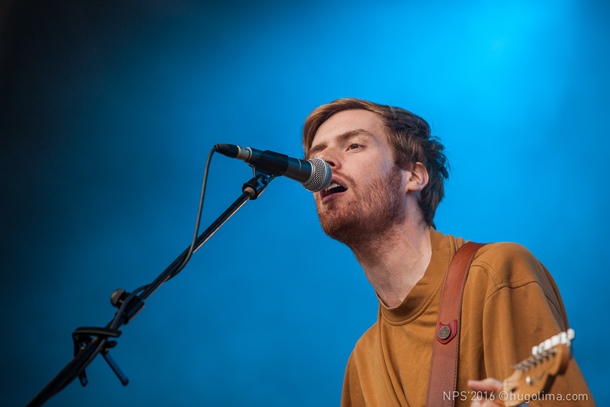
321,175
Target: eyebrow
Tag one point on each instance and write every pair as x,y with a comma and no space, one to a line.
340,138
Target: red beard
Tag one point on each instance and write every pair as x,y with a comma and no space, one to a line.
373,209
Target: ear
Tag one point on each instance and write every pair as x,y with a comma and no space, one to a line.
417,177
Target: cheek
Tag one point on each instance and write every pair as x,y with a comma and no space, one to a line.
373,171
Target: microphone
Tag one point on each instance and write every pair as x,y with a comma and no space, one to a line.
314,174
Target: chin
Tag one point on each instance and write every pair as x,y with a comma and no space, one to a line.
344,228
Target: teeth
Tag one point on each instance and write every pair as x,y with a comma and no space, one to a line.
334,188
332,185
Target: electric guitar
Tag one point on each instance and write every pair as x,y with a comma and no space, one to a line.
532,375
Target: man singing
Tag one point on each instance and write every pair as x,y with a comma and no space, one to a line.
388,174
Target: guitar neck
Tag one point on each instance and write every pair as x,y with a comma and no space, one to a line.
535,374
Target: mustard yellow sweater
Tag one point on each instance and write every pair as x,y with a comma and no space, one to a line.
511,303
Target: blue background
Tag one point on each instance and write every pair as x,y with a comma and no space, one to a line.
110,108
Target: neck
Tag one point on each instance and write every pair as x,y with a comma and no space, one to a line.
395,261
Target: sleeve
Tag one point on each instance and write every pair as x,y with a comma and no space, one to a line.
523,308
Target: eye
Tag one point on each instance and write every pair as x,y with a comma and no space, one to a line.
353,146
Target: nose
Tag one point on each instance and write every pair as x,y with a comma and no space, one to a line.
331,159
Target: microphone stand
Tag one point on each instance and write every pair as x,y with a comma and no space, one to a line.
89,341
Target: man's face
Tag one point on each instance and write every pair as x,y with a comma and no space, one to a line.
367,194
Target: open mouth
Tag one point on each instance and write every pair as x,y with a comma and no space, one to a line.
333,188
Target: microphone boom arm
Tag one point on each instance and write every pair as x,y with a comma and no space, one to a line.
89,342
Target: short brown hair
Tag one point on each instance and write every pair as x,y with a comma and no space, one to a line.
409,137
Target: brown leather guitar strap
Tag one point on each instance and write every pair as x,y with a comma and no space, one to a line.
445,353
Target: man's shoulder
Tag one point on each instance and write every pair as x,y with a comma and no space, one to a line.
508,264
505,252
502,262
368,340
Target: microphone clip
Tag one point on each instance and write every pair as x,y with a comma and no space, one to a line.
83,338
258,183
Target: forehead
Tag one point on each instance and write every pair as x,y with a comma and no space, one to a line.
349,121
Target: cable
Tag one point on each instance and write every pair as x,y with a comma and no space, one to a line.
199,212
117,320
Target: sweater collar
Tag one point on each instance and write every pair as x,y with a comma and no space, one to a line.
429,286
